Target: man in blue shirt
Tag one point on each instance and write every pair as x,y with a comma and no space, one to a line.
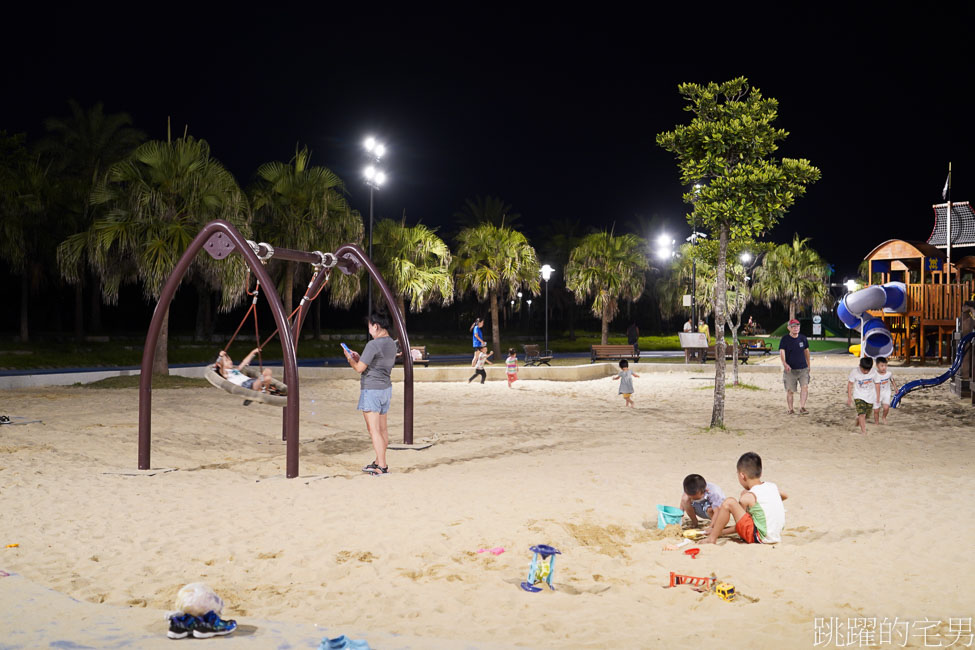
794,354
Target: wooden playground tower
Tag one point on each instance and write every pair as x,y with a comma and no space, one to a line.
937,285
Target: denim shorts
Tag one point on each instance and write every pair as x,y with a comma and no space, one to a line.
375,399
248,384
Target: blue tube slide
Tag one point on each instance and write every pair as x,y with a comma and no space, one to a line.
940,379
876,339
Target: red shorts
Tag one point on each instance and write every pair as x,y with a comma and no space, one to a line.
745,527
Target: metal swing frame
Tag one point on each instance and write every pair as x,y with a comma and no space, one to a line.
220,239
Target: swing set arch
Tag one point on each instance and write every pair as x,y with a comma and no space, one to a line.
220,239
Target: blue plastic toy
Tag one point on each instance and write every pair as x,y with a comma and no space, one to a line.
542,568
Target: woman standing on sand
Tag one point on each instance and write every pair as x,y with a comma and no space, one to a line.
375,387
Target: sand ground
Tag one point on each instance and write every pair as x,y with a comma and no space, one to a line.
875,525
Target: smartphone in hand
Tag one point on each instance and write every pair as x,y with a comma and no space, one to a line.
346,348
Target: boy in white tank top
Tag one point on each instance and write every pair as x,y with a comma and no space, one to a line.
884,380
758,512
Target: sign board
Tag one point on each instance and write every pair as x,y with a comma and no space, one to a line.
934,264
880,266
817,319
687,300
817,329
693,339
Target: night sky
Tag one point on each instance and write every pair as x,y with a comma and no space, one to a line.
554,112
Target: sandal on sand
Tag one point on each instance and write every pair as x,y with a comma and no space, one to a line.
371,466
791,412
803,411
378,471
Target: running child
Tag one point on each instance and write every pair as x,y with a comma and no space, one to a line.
884,379
861,391
483,354
511,366
625,375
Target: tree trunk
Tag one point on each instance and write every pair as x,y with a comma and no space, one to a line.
79,312
495,324
24,304
792,309
572,321
95,307
605,328
720,308
160,365
287,290
317,320
401,305
202,313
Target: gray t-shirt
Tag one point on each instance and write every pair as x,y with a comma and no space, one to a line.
626,381
380,356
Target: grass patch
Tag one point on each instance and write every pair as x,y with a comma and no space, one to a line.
159,381
740,386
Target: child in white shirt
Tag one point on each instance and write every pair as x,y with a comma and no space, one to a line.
884,381
861,391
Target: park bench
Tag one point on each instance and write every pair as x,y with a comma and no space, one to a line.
756,345
535,357
728,352
418,354
614,352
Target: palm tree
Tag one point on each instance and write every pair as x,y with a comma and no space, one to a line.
561,236
491,259
795,274
303,207
414,262
607,268
81,147
25,192
158,200
486,209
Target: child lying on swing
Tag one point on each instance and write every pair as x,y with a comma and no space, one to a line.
225,367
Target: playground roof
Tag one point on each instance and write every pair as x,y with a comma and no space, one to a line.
962,225
899,249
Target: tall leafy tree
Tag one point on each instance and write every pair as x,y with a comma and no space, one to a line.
560,237
157,201
796,275
301,206
80,147
414,262
491,259
608,269
728,147
487,209
25,192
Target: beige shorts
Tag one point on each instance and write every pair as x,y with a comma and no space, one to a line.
792,378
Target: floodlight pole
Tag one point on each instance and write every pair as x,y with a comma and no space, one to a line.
370,250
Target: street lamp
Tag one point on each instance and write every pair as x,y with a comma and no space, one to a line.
546,272
665,247
529,314
375,177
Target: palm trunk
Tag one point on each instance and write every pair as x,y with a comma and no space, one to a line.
287,290
24,304
720,308
202,313
79,312
792,309
495,323
605,327
95,306
401,305
160,365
